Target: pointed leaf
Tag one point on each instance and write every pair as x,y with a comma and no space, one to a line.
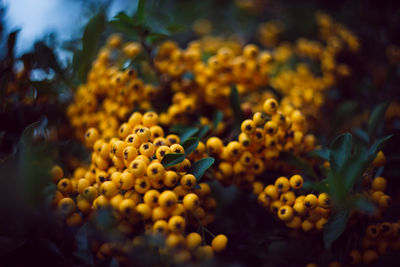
172,159
203,131
188,132
340,150
198,168
335,227
217,118
190,145
377,118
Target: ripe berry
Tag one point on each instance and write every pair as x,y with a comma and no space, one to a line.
219,243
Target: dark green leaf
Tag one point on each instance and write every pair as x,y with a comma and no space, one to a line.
198,168
374,149
340,150
218,116
377,118
362,135
335,227
140,14
322,153
364,205
316,186
203,131
90,43
189,132
298,163
172,159
125,24
235,106
190,145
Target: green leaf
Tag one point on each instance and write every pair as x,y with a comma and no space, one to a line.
139,15
362,135
198,168
363,204
340,150
172,159
184,131
335,227
321,186
90,43
190,145
203,131
322,153
235,106
377,118
218,116
374,149
298,163
125,24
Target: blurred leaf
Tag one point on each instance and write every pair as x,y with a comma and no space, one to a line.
198,168
377,118
362,135
140,14
125,24
321,186
374,149
218,116
335,226
340,150
298,163
322,153
363,204
354,168
83,251
190,145
2,134
172,159
235,106
203,131
34,161
90,44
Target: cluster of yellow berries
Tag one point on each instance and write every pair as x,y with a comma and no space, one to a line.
378,240
303,211
376,193
211,82
127,175
259,144
110,93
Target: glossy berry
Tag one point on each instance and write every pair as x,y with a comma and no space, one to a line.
283,184
191,202
310,201
296,181
270,106
285,213
219,243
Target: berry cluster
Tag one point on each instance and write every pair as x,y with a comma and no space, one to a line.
127,175
303,211
262,138
110,94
